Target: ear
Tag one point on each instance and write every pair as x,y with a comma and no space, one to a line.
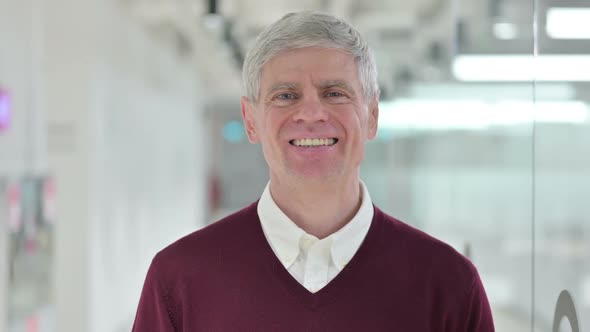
373,117
248,118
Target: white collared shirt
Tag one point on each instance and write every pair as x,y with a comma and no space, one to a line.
311,261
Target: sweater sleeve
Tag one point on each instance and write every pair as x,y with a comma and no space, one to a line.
478,317
153,313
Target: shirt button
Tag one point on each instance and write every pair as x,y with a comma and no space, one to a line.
306,243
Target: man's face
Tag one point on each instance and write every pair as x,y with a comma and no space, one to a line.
311,116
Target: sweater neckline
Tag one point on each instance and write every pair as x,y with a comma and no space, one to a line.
349,277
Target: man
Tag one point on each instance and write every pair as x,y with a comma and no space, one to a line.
313,254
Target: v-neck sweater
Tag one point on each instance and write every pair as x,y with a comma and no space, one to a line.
226,277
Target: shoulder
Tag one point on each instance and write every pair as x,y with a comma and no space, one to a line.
427,255
209,244
438,275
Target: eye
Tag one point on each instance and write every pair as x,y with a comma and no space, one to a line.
286,96
334,94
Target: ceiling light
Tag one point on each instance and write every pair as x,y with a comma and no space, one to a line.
423,114
505,31
568,23
522,68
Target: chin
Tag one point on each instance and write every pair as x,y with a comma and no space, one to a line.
313,175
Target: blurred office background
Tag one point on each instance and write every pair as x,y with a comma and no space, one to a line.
120,132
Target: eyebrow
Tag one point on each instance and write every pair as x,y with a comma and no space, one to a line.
338,84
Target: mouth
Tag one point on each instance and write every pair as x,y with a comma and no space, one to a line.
313,142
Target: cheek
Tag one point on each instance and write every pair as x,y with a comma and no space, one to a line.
358,125
276,125
269,133
364,125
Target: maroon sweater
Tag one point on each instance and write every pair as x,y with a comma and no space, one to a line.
226,277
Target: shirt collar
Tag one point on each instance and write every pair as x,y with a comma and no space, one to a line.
348,239
284,235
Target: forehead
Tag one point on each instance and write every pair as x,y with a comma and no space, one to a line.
313,63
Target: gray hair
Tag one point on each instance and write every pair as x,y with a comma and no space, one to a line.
309,29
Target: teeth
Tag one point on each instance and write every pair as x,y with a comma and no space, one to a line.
314,142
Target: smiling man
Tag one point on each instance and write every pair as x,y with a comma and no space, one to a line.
313,253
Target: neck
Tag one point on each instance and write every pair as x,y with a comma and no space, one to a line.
319,208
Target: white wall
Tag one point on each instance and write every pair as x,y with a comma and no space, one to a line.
22,146
124,147
115,118
147,182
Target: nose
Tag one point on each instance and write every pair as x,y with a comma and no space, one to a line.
311,110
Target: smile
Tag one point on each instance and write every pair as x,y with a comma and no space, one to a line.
313,142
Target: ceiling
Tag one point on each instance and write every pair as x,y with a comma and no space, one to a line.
413,40
218,33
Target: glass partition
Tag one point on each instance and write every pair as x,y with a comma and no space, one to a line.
454,152
562,171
